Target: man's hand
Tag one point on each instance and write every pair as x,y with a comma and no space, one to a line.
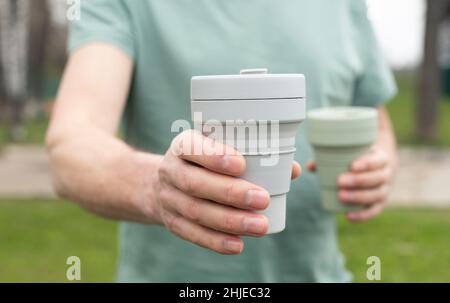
369,180
199,198
367,184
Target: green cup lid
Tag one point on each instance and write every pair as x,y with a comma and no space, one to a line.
342,126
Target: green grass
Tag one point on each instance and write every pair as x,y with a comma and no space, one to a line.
35,132
412,244
402,110
36,237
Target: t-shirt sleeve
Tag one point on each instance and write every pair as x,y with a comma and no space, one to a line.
375,85
106,21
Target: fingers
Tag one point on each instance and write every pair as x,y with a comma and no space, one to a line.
296,170
367,185
202,236
364,196
192,146
311,165
366,214
368,179
201,183
377,159
216,216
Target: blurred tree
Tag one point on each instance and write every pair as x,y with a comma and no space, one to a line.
2,87
35,31
14,45
39,28
430,78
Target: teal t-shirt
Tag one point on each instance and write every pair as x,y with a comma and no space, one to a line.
331,42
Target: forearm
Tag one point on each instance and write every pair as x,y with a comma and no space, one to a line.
103,174
386,138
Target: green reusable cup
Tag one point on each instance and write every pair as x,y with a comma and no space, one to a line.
339,135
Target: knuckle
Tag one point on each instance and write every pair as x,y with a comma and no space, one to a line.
163,171
376,196
166,195
232,223
373,197
230,191
187,181
218,160
171,221
370,163
379,179
360,180
193,210
364,197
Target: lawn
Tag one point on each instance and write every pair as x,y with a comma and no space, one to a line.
412,244
35,131
38,236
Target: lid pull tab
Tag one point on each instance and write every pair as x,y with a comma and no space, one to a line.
254,71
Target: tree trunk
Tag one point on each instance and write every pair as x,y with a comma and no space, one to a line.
38,40
2,84
430,78
14,43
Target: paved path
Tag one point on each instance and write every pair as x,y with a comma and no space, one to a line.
423,178
24,172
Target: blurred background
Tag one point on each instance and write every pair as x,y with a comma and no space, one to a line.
38,232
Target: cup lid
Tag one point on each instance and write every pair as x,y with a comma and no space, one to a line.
340,126
343,115
249,84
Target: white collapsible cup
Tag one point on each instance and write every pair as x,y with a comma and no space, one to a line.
258,114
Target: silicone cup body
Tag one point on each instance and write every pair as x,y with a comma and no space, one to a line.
331,163
339,136
269,167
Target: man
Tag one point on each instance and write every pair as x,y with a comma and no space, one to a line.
134,60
